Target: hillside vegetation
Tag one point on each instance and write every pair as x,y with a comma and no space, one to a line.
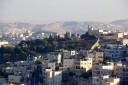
43,46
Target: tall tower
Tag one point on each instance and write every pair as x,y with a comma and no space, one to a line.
90,30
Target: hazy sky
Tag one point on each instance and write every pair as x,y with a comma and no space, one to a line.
41,11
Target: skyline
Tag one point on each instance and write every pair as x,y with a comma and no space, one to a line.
46,11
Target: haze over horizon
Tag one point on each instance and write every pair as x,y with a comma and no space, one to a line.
47,11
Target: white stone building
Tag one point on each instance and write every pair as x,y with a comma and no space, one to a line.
14,79
83,65
105,80
52,77
124,41
3,43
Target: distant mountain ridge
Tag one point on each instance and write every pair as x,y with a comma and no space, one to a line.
63,26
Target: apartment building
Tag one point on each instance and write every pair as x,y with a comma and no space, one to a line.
52,65
3,81
103,69
3,43
52,77
14,79
121,71
97,57
68,64
67,54
55,56
98,32
83,65
119,35
105,80
114,53
124,41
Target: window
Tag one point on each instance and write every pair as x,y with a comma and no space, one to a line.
97,79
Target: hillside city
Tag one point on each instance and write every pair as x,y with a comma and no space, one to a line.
97,57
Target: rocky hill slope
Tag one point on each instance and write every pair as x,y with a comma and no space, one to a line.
61,27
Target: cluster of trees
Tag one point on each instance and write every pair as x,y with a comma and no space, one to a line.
55,43
88,37
12,54
42,46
